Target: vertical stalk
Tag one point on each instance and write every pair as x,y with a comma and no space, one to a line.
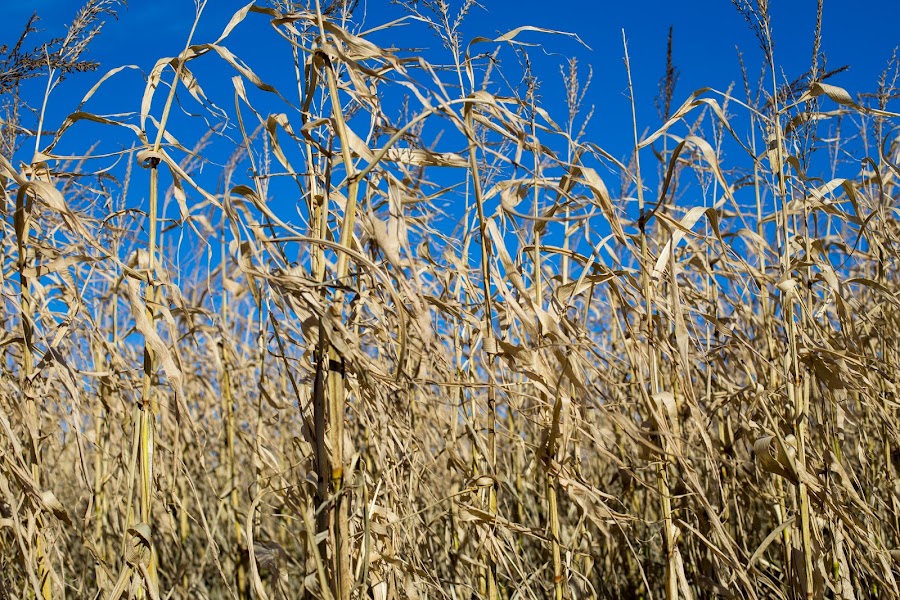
146,419
553,502
797,399
228,411
22,226
770,346
102,441
145,423
648,292
330,367
550,481
488,342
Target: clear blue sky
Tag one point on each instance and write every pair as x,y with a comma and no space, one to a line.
706,33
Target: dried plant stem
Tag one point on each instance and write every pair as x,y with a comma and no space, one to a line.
228,410
149,406
145,422
331,360
31,416
797,399
653,360
102,435
551,485
488,341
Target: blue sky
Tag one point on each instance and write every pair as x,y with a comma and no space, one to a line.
706,33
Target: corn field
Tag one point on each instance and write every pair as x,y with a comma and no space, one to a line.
413,336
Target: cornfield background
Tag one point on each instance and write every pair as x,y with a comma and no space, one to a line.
415,337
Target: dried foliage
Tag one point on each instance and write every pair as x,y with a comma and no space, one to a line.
408,343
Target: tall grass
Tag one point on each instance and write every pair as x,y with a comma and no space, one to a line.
416,337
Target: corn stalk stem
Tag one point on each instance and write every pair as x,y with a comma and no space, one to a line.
653,359
331,392
22,226
795,388
488,343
